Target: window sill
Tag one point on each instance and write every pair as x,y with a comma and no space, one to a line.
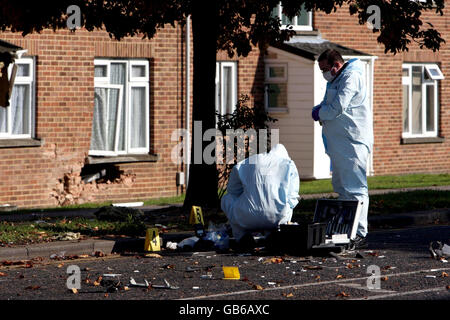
21,143
123,159
422,140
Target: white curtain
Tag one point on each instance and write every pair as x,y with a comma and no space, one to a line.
3,119
137,117
118,76
416,100
106,107
20,111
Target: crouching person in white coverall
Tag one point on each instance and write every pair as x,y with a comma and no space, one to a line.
262,192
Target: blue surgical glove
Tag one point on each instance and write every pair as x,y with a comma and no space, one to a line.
315,113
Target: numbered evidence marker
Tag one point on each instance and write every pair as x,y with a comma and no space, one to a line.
231,273
196,216
152,240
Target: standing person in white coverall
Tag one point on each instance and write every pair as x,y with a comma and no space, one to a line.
262,192
347,126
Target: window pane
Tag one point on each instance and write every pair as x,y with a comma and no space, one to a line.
417,100
405,109
138,103
285,20
277,95
303,17
106,103
20,109
430,107
118,76
23,70
276,72
3,119
276,12
405,72
100,71
227,90
138,71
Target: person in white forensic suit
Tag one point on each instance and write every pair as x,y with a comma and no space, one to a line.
262,192
347,127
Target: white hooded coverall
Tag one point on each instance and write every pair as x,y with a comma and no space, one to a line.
262,192
347,127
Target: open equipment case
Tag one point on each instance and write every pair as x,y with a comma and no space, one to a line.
334,224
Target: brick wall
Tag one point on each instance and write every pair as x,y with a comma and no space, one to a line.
390,156
49,175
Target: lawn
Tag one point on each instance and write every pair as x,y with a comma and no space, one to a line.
381,182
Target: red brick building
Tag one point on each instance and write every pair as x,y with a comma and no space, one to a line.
85,107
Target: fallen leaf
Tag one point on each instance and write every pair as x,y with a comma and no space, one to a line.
387,268
447,287
97,282
288,295
312,267
373,254
317,277
106,295
349,266
444,274
343,294
339,276
126,288
60,265
32,287
2,274
384,278
99,254
83,256
74,290
257,287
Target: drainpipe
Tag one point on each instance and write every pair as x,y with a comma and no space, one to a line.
188,96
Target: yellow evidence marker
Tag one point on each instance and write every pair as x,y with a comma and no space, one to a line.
152,240
196,216
231,273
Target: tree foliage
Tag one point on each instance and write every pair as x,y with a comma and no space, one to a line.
242,23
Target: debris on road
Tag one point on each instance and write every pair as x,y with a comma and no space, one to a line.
171,245
343,294
439,251
167,285
133,283
153,255
67,236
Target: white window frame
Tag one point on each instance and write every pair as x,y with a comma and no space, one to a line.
294,21
271,80
104,82
220,65
28,80
407,80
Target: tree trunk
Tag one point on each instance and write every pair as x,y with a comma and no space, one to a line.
203,181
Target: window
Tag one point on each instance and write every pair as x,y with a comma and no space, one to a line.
276,86
420,99
302,21
121,107
17,120
226,87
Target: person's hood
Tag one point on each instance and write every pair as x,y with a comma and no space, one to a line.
280,151
353,65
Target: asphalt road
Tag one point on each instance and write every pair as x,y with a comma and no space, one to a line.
407,272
